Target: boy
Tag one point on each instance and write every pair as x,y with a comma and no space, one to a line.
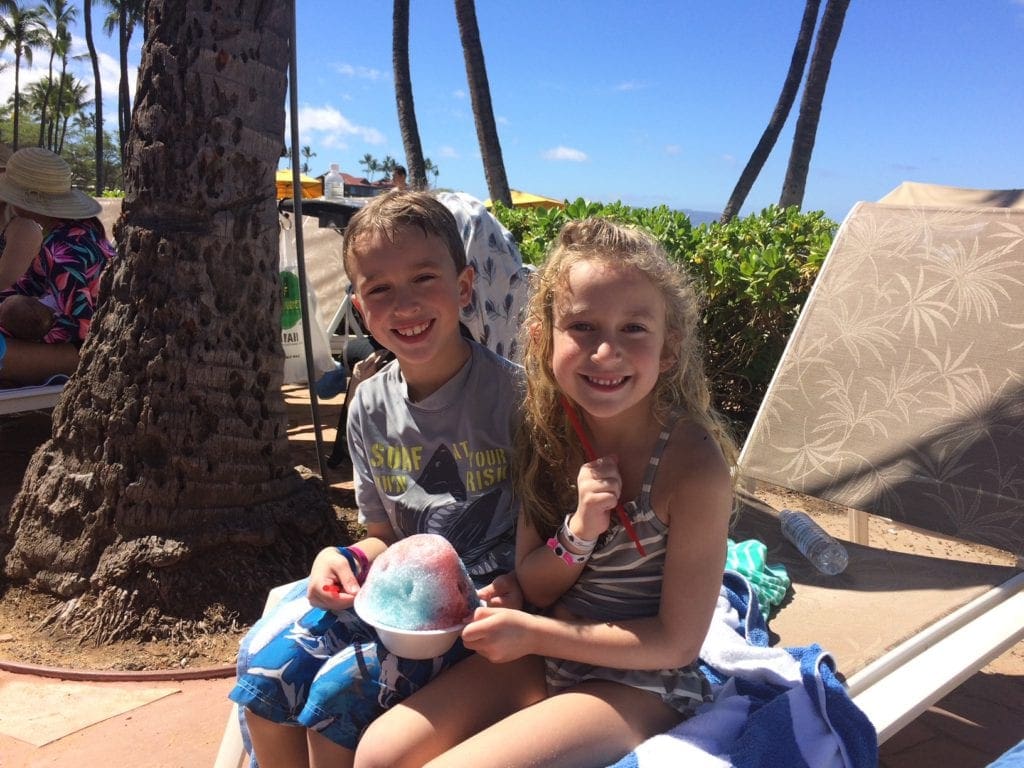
430,437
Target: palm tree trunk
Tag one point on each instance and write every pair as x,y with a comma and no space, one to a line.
98,101
46,97
124,106
810,105
17,99
403,96
779,116
58,108
165,500
480,94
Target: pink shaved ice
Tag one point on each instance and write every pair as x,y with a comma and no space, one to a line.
418,583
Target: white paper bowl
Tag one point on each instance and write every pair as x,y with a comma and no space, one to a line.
412,643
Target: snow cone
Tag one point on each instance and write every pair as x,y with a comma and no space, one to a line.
418,596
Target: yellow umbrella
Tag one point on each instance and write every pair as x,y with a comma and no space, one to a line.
310,187
522,199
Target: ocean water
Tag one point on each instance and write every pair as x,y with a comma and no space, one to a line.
701,217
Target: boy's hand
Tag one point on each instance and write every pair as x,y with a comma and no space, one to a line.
332,585
369,365
498,634
599,486
503,592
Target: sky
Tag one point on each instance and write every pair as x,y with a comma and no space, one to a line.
662,101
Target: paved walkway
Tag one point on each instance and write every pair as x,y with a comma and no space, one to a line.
968,729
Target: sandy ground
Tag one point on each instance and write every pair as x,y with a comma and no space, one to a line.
968,728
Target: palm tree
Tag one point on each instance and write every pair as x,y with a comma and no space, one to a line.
810,105
429,167
371,164
123,16
165,501
23,30
98,98
785,103
307,153
62,15
480,95
403,96
37,97
74,102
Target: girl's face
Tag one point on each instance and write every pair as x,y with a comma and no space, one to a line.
609,339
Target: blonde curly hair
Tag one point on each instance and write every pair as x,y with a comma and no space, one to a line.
547,452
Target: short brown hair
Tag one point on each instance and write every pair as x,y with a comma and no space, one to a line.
387,213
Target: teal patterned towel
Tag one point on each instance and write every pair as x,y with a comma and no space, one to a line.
769,582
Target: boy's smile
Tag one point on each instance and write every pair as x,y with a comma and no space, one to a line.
410,297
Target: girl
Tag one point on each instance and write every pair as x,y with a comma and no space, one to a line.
613,365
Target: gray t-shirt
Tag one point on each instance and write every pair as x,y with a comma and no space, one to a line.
442,465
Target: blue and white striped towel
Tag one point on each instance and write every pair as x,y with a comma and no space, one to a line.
780,707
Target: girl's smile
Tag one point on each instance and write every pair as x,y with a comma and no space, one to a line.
608,338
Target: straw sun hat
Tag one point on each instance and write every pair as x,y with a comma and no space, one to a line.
39,181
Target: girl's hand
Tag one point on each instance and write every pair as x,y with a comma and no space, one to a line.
498,634
332,585
599,486
503,592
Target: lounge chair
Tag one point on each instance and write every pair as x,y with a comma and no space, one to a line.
34,398
901,394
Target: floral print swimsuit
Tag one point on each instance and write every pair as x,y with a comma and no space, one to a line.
65,276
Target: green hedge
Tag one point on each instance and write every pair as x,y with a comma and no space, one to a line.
755,273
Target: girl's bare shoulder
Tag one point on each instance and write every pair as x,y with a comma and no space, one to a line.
692,469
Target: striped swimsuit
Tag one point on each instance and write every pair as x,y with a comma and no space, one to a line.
617,584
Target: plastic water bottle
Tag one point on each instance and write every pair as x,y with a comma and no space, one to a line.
825,553
334,184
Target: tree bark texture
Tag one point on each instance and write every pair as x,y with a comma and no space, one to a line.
165,500
779,116
827,39
403,96
480,94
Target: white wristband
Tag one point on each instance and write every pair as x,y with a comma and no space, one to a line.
575,541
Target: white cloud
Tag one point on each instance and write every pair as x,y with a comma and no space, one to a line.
333,127
630,85
673,149
459,94
449,152
361,73
729,159
500,120
566,153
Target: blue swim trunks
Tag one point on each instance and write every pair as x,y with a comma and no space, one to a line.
329,672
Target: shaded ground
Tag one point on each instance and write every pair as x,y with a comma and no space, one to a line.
21,610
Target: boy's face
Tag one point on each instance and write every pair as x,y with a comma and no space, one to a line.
410,296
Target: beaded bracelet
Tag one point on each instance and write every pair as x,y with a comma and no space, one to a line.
357,562
364,561
576,541
564,554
